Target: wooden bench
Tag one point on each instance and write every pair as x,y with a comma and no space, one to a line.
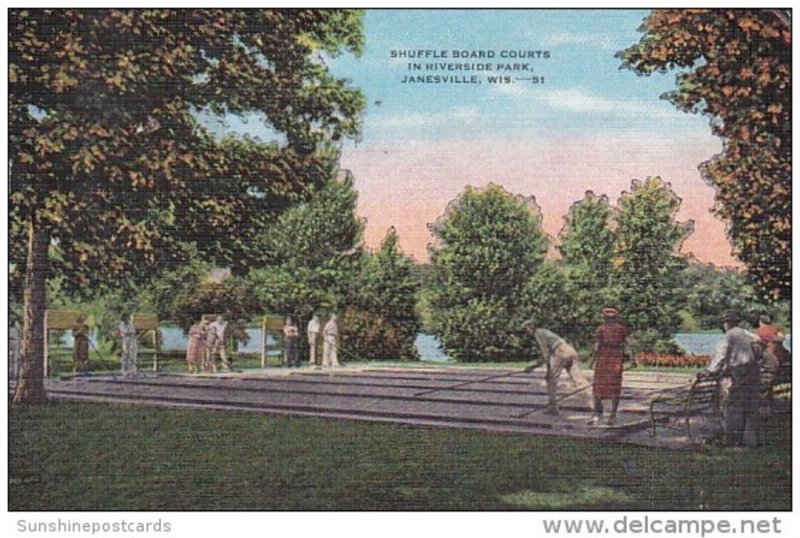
776,388
702,396
705,396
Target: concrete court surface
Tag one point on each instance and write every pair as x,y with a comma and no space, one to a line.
490,399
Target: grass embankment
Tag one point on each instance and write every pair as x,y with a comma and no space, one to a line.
88,456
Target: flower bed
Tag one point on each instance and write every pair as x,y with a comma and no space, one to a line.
668,360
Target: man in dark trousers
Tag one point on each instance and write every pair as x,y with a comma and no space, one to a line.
736,358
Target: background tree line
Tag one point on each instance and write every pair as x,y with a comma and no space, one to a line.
120,193
489,271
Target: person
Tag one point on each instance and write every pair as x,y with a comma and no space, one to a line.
80,346
767,331
209,334
559,356
216,342
610,347
330,343
291,341
313,338
196,347
14,350
735,358
130,346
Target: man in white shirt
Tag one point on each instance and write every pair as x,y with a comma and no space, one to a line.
216,342
313,337
559,356
735,357
330,343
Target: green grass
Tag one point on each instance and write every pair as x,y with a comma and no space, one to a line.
89,456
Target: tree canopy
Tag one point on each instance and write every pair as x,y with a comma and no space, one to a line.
110,164
488,244
311,255
647,258
383,322
734,66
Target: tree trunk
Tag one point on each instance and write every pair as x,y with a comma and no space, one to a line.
30,385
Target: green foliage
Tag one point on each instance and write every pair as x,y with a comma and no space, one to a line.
109,161
232,297
106,151
367,336
710,291
163,291
386,295
734,66
647,261
488,244
548,300
587,243
312,255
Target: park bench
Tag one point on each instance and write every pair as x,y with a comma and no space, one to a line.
704,395
776,388
683,403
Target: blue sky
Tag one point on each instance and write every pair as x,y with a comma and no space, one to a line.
584,88
590,126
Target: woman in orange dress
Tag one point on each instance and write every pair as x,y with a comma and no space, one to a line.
610,339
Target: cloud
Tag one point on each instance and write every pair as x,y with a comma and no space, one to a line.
461,115
579,101
595,41
576,100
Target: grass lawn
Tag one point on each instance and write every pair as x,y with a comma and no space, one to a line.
90,456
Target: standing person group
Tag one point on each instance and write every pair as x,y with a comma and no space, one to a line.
330,341
611,346
737,357
207,341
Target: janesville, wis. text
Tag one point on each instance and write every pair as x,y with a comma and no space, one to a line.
469,66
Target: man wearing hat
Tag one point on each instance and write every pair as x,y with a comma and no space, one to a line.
215,342
610,346
735,357
559,356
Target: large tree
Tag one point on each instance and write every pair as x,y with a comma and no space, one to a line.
110,166
648,263
382,322
312,254
488,244
587,251
735,67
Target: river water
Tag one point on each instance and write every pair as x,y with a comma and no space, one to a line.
428,346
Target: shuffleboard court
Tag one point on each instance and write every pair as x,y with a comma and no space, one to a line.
494,400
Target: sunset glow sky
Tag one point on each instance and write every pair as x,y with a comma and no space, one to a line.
590,126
